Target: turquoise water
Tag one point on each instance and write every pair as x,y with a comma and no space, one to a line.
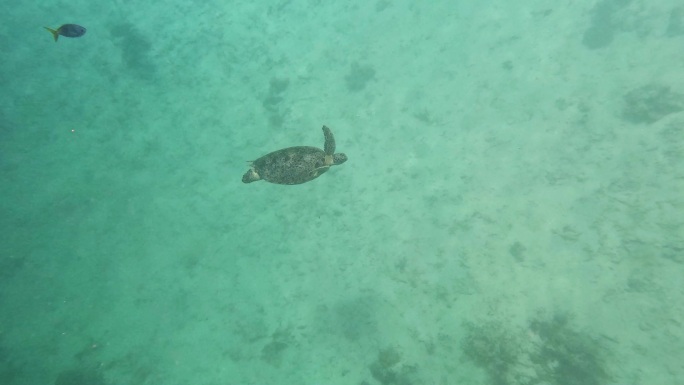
510,214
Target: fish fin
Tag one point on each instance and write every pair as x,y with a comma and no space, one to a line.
54,33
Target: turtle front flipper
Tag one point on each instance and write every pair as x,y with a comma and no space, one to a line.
319,170
329,146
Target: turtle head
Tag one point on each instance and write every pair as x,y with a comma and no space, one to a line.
250,176
339,158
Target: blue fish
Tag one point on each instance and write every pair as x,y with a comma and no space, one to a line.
67,30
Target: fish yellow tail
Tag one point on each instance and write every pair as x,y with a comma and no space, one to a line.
54,33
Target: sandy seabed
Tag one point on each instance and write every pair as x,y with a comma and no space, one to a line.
511,211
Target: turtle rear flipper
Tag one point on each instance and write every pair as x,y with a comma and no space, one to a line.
250,176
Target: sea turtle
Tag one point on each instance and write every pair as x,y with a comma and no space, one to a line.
295,165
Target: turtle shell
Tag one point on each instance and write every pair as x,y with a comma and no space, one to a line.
292,165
